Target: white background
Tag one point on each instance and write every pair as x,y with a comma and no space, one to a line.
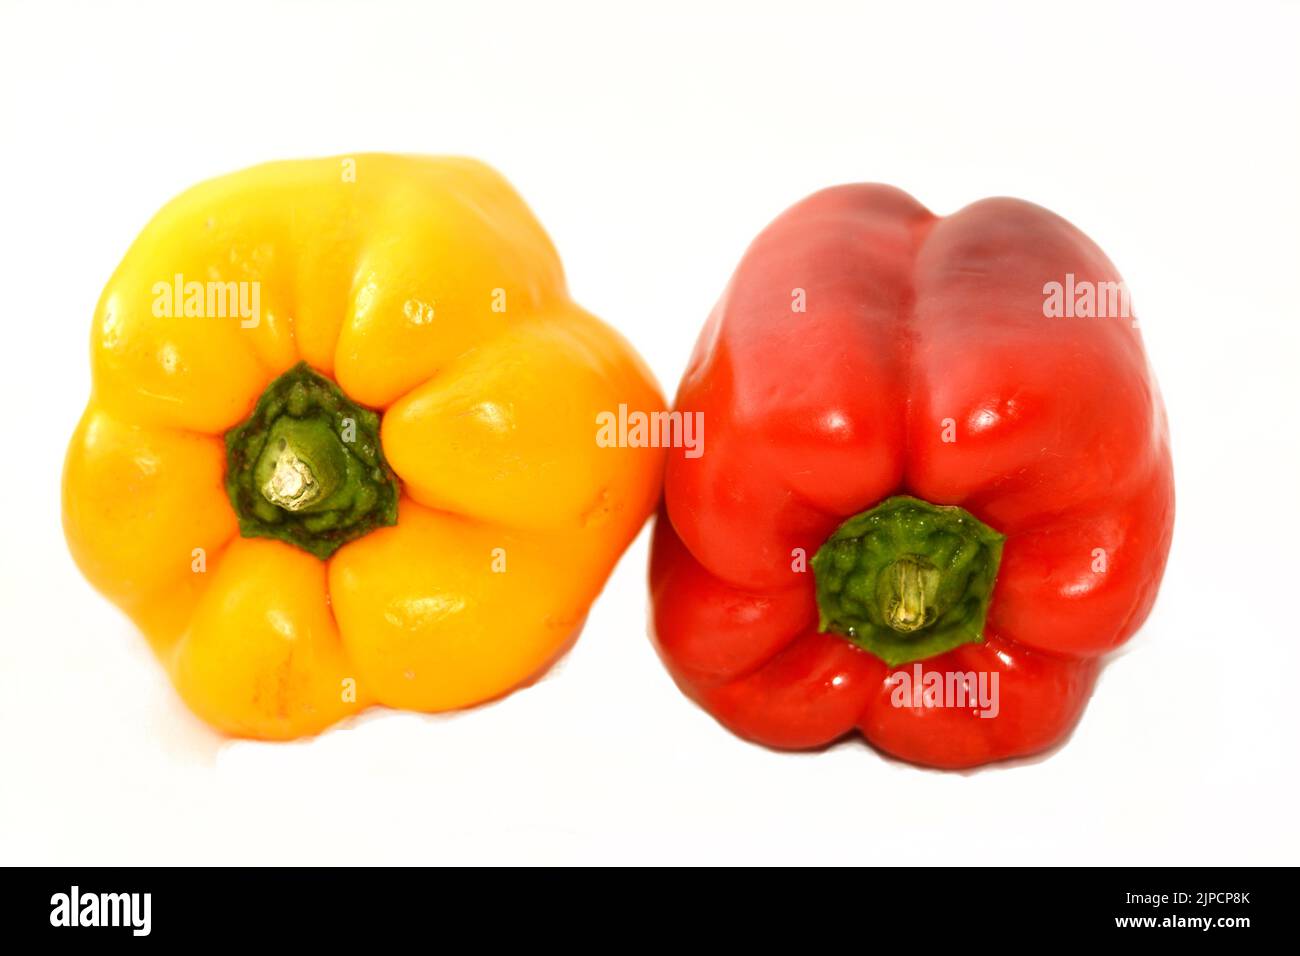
654,143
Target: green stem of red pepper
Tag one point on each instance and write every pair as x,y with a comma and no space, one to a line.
907,580
307,467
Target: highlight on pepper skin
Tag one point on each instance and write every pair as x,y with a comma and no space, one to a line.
341,445
937,487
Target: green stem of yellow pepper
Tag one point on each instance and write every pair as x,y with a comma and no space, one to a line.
306,467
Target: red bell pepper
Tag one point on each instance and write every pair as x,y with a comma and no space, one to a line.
936,472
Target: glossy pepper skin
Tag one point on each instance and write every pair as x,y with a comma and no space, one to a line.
922,374
461,540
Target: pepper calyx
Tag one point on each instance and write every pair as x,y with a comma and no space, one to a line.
307,468
907,579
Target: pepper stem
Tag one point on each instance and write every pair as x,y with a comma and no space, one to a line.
303,464
307,467
292,484
907,580
913,582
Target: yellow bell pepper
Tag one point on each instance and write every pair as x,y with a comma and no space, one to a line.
290,559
